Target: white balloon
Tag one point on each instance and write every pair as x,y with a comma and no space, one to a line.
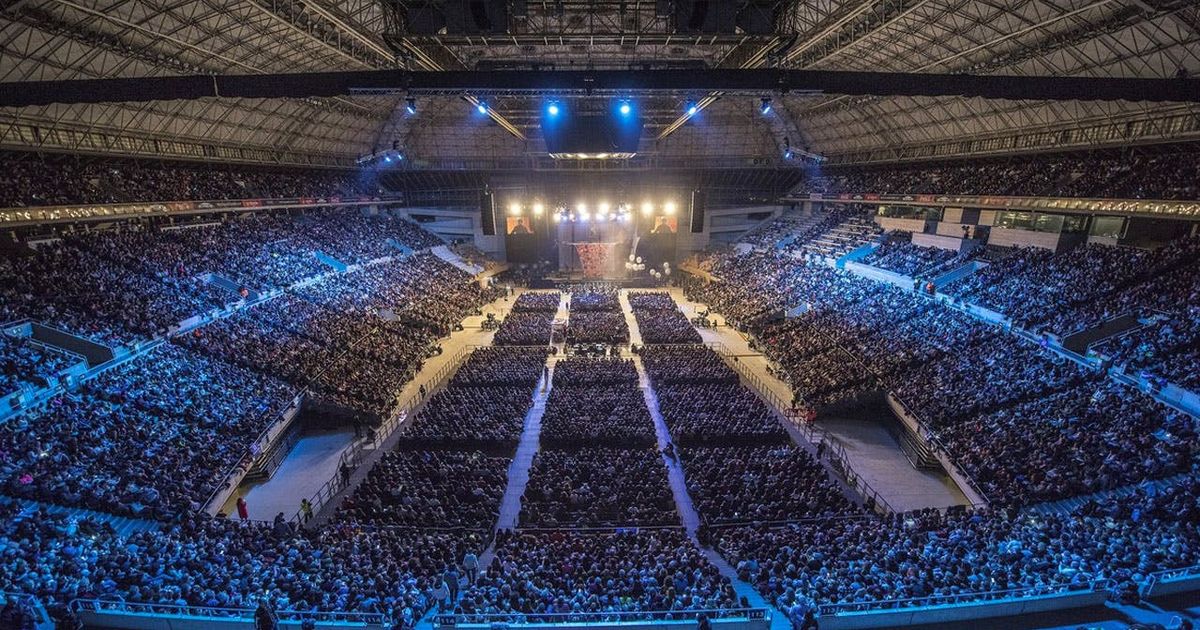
639,259
632,257
668,272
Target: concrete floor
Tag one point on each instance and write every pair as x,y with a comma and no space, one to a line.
312,462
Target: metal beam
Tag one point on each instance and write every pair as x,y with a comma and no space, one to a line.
598,82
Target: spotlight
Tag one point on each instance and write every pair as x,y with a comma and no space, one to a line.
558,217
387,158
581,207
410,105
584,216
514,209
787,153
625,108
647,209
669,207
552,108
765,108
603,208
482,107
538,209
692,108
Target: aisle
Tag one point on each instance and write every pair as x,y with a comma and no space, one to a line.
518,470
683,501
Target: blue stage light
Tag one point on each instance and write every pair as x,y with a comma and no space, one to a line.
765,108
410,105
482,107
625,108
692,109
552,109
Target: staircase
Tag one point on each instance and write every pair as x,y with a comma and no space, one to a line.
269,461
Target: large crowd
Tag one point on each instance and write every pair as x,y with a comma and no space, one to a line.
485,404
546,573
659,319
353,339
957,374
598,465
203,561
899,254
132,282
1171,175
607,327
106,445
24,362
596,402
932,557
1027,425
30,180
702,401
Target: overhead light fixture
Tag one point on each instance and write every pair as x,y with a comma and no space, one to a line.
482,107
538,209
553,108
765,108
625,108
692,108
410,105
669,207
647,209
514,209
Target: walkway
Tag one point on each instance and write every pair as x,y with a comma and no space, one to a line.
683,501
518,470
635,333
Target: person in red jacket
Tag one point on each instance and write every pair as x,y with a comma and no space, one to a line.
243,510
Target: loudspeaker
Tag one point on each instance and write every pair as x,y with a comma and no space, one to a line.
699,202
487,212
476,17
705,16
757,17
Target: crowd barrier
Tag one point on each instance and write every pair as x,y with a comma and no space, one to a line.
1171,582
960,608
97,613
726,619
32,605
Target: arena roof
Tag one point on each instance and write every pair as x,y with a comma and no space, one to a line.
70,39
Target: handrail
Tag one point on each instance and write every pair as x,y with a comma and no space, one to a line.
1152,579
102,605
603,616
960,598
35,606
